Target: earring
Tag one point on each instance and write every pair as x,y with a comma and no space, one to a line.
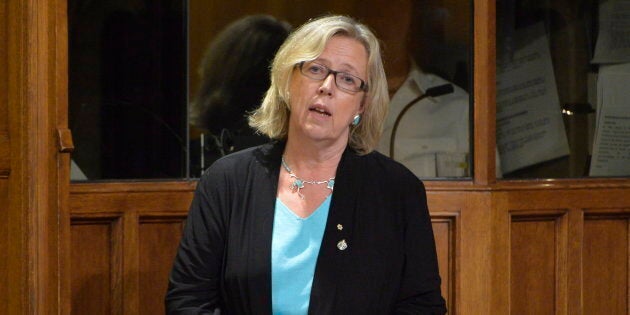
356,119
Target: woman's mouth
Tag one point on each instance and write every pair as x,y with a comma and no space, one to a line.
319,110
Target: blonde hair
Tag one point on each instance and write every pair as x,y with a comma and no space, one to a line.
306,44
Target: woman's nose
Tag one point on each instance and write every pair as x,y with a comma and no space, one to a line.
327,85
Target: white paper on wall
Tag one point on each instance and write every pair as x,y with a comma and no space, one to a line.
613,38
611,147
530,129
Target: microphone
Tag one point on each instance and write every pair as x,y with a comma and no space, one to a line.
430,92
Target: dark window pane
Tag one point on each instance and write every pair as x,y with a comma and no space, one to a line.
127,88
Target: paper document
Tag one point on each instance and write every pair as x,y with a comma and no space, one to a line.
611,147
530,129
613,39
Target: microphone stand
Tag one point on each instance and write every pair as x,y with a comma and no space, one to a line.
431,92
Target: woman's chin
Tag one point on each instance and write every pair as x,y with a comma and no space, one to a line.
320,134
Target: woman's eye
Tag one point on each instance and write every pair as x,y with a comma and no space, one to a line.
316,69
348,79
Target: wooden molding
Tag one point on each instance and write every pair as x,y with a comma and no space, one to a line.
36,71
484,81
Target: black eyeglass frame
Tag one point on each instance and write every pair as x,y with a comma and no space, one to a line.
363,87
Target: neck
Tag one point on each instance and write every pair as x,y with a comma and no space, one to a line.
313,160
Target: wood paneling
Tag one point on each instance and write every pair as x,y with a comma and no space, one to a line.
445,231
468,263
13,224
151,197
569,259
484,86
605,261
4,244
32,86
146,221
95,265
158,240
142,222
4,156
503,249
4,73
535,248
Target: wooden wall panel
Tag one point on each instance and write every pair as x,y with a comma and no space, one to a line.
5,153
158,241
592,254
4,95
4,156
149,221
148,224
534,258
605,262
4,74
445,231
515,251
469,218
95,266
4,242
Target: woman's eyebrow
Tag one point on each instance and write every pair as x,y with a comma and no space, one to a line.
344,67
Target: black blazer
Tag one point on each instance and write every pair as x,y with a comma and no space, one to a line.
389,266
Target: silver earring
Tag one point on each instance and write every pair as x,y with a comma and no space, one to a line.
356,119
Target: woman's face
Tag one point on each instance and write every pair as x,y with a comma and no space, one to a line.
320,110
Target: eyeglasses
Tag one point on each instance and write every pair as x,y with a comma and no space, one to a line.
343,80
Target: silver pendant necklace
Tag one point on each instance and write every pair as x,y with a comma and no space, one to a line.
297,184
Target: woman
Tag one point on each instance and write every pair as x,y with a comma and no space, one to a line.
315,222
234,76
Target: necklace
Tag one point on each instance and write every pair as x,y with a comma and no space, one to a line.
297,184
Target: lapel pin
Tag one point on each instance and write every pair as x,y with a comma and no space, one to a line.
342,245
